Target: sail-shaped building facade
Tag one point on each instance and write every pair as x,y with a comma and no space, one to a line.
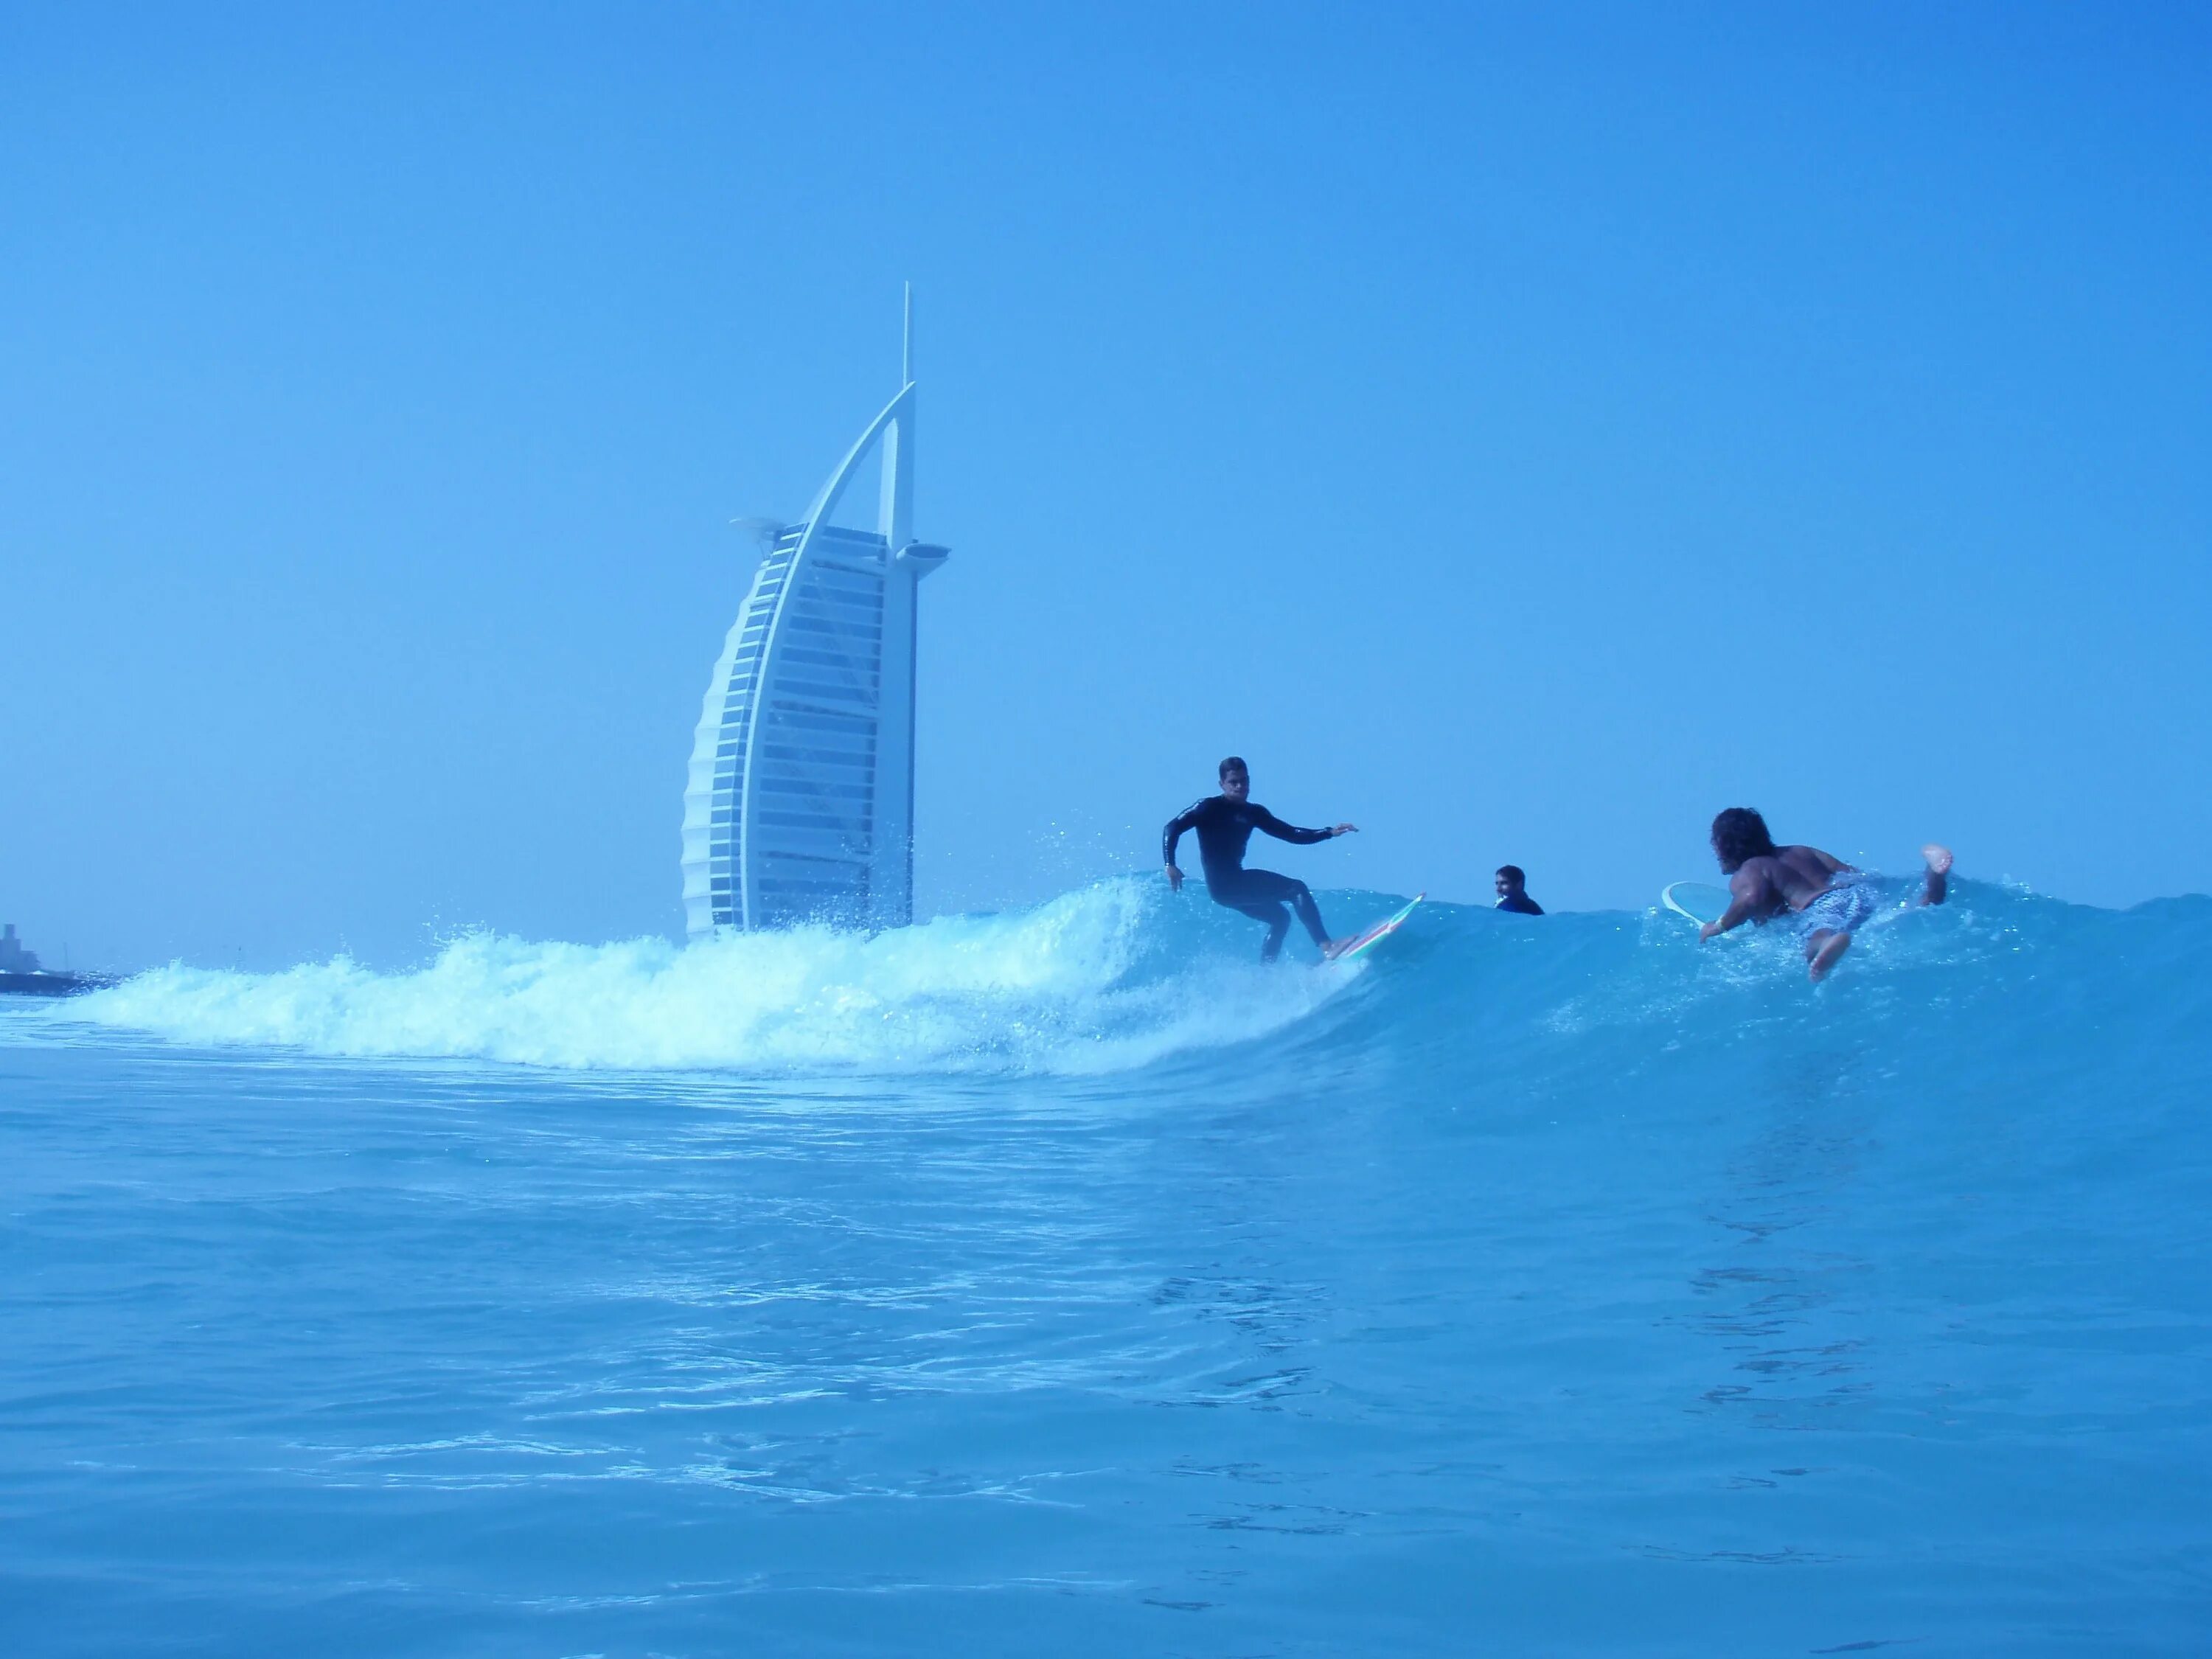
800,802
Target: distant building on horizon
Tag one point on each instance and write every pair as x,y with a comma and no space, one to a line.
800,802
14,959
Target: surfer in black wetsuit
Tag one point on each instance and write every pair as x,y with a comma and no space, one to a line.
1513,892
1224,824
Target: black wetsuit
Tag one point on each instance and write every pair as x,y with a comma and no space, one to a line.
1223,827
1519,904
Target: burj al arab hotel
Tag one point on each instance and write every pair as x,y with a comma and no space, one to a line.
800,804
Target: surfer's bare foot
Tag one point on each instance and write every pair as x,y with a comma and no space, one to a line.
1938,884
1824,952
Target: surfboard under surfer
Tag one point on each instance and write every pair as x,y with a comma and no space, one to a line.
1828,900
1224,824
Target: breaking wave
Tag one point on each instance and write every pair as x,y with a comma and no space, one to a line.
1083,984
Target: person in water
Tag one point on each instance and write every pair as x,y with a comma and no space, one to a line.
1513,892
1224,823
1828,899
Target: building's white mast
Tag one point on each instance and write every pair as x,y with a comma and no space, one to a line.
893,878
895,515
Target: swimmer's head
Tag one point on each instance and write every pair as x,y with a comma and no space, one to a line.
1511,878
1236,778
1739,833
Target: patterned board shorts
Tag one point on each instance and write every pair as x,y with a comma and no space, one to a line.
1843,908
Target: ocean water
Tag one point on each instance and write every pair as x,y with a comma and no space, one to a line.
1065,1282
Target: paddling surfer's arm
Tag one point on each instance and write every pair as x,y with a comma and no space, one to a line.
1755,899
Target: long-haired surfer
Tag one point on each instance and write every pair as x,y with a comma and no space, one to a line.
1828,899
1224,824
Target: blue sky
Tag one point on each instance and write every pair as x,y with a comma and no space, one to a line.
1520,432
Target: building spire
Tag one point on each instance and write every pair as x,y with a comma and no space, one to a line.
907,355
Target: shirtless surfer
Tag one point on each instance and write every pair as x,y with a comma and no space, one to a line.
1224,824
1828,899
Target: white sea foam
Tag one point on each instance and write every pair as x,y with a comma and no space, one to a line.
1058,989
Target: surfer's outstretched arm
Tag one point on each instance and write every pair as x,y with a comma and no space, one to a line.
1268,823
1271,825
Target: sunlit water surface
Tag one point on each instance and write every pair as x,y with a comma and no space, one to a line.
1063,1283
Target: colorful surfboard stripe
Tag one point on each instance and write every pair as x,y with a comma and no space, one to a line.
1382,930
